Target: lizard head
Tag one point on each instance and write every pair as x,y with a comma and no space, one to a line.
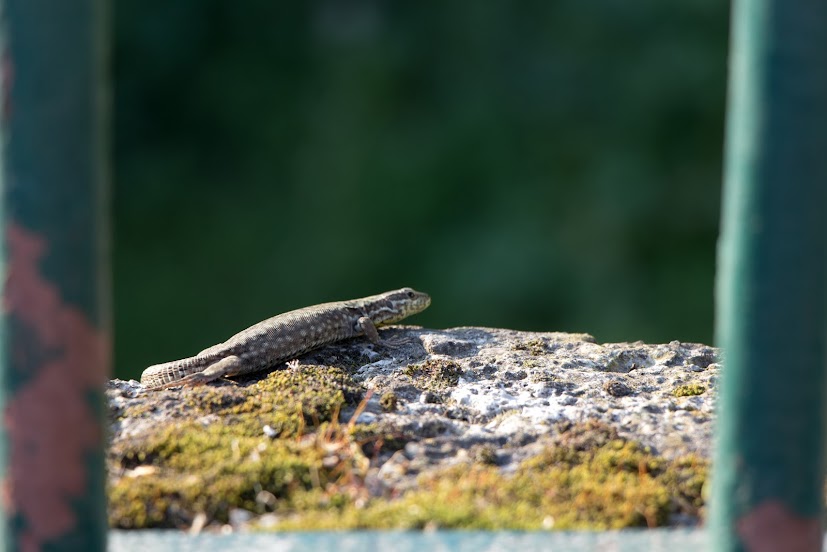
393,306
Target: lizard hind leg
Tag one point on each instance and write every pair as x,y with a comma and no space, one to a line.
227,366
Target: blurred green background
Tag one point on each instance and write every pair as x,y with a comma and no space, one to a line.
538,165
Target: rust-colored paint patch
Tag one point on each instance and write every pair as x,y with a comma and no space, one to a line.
51,424
772,527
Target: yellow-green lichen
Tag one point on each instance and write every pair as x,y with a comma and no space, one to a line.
689,390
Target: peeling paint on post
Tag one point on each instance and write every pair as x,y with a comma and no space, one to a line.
768,480
54,345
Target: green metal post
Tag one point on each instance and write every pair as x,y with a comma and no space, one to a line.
768,483
55,324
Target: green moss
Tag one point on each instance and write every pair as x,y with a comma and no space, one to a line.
435,374
535,347
147,501
286,400
378,437
689,390
214,454
485,455
614,484
212,469
132,411
388,401
316,469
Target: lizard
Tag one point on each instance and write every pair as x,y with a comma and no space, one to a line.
285,336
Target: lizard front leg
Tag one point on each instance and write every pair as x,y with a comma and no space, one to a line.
368,328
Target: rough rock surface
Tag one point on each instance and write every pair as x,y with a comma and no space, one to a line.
491,395
476,388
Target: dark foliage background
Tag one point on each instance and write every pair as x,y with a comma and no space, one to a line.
534,165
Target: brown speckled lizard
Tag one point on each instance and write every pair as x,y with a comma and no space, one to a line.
285,336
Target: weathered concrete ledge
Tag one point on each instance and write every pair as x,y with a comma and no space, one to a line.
465,427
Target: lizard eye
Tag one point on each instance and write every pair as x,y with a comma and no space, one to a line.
411,294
